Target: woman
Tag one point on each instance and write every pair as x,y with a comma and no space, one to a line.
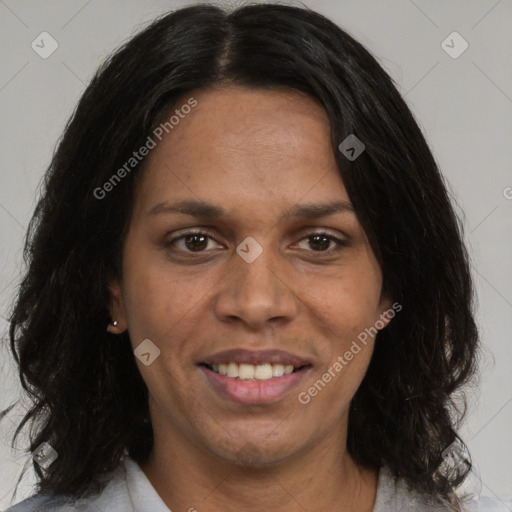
247,288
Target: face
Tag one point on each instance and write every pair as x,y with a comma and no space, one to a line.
243,255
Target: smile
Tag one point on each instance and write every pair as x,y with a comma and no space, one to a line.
253,377
262,388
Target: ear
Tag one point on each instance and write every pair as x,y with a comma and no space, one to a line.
387,311
117,310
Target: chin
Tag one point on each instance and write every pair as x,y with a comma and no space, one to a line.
256,451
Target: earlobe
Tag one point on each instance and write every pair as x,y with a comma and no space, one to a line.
118,323
387,313
113,327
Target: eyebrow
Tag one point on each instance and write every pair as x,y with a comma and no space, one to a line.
207,210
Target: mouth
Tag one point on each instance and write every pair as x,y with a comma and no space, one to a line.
254,377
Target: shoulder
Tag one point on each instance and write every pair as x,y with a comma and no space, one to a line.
394,494
109,494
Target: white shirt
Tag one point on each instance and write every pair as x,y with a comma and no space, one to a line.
128,490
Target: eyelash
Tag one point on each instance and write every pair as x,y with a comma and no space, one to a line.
340,243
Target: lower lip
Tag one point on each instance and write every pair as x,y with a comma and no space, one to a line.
253,392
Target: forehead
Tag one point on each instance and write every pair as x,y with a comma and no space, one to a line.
245,146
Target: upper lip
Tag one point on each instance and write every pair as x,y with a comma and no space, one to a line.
244,356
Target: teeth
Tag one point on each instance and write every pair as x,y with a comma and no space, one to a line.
278,370
263,372
245,371
232,370
250,372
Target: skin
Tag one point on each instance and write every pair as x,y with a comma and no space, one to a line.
256,153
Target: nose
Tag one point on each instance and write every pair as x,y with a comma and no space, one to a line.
256,293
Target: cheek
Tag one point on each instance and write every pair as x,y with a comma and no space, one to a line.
346,303
161,301
345,308
154,300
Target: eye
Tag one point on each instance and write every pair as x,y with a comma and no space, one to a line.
320,241
192,241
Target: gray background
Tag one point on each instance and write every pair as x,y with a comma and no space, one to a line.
464,106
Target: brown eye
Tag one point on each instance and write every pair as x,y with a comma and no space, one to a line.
192,242
321,242
196,242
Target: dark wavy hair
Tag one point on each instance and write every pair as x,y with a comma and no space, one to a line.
88,399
